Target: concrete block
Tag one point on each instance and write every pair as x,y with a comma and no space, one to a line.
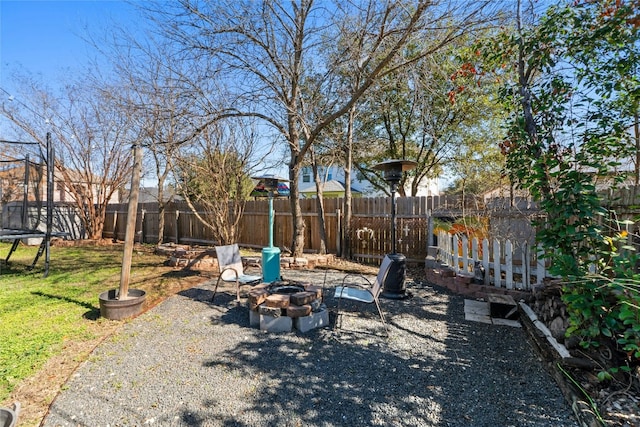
254,319
275,324
314,320
264,310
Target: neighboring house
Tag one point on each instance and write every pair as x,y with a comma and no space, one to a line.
331,188
12,183
12,176
362,187
62,190
149,195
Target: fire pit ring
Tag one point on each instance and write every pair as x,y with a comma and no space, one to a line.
285,288
281,305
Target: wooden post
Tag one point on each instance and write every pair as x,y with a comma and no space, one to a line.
339,232
115,224
142,227
177,224
429,228
130,233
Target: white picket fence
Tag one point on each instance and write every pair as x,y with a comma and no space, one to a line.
505,264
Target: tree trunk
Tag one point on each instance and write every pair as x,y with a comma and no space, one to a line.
297,242
319,203
348,160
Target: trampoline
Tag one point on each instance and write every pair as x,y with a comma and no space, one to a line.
15,235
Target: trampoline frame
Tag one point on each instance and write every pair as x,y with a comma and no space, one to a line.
18,234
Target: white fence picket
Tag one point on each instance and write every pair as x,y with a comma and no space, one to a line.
508,264
485,261
497,260
454,248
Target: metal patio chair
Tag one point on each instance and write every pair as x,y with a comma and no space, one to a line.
231,268
363,291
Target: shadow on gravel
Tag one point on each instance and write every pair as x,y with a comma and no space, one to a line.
436,369
193,362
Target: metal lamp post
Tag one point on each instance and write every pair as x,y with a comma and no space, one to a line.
394,286
270,254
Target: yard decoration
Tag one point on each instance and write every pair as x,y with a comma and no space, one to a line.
124,302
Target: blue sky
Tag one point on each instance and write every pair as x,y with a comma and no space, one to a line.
45,37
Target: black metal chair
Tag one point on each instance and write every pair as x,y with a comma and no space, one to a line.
363,291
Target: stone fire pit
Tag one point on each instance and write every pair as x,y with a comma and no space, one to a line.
283,305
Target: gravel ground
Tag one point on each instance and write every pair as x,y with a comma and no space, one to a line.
188,362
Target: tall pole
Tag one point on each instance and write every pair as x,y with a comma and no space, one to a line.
25,195
130,232
393,218
47,242
271,219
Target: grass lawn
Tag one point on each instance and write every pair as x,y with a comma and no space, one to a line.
49,325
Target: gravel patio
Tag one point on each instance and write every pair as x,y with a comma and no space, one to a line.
191,362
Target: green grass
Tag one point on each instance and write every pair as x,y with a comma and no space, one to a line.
39,315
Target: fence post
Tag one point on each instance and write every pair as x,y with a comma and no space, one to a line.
115,224
177,227
142,227
497,277
338,232
429,229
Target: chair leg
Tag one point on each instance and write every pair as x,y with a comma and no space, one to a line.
386,328
237,290
216,288
338,318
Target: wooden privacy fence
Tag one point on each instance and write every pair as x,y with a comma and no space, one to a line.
369,233
503,264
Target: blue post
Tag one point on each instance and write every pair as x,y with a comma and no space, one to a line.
270,255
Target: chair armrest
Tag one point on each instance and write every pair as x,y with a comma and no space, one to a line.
229,268
359,276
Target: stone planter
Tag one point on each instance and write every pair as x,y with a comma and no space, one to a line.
117,309
9,416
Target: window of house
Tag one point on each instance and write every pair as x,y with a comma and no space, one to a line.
306,175
61,191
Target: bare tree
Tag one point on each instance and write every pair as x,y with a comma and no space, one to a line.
267,50
376,127
92,139
214,176
159,96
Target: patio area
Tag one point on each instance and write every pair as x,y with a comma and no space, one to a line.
191,362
